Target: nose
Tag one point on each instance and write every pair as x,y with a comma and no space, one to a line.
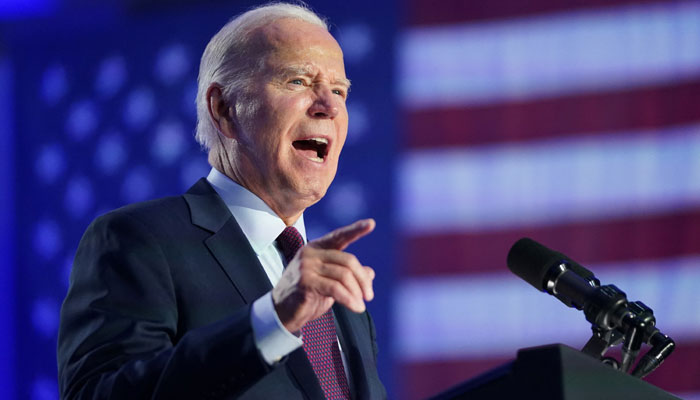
326,104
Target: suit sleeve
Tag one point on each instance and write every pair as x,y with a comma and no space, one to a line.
118,336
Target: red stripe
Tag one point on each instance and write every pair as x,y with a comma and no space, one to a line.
645,108
424,379
649,237
427,12
679,373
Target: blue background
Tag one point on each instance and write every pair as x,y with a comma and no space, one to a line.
97,111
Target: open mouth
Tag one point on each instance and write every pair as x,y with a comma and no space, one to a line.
315,149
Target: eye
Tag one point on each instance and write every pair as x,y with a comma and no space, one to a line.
339,92
297,81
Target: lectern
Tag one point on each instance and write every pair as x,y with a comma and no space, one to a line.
554,372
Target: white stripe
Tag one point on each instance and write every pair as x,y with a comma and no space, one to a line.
505,186
494,315
689,395
549,55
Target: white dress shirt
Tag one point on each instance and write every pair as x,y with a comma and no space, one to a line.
261,227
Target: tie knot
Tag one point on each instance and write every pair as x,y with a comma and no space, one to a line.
290,242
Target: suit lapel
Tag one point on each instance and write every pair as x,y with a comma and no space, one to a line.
350,325
298,364
231,249
227,243
233,252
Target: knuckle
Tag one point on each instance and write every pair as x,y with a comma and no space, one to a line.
336,289
370,272
346,274
308,264
323,268
353,259
305,273
347,258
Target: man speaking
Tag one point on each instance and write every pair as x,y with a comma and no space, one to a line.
215,293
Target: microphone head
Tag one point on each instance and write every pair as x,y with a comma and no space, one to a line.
531,261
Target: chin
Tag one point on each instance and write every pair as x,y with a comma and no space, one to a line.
314,192
313,196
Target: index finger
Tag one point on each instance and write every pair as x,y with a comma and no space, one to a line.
341,238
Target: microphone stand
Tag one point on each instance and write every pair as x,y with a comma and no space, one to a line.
614,321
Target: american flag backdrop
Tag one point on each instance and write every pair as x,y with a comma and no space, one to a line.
574,123
472,124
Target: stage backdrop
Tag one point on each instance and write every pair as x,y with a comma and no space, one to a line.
472,124
104,115
574,123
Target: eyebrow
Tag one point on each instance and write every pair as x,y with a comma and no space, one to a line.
292,70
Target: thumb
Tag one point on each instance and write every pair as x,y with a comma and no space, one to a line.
341,238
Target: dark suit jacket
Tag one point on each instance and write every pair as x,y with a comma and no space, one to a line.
159,307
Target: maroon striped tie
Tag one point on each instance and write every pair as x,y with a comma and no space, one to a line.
320,343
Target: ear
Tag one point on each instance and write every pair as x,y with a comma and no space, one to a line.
219,111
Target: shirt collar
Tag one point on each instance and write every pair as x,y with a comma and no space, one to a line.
257,220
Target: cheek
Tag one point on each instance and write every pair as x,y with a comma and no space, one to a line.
267,128
285,114
342,129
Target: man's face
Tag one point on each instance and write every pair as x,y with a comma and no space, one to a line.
293,124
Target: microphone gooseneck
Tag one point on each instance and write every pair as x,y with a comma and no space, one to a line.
613,318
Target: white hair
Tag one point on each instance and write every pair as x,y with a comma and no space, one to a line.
228,62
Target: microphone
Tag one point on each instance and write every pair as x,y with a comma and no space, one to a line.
552,272
605,307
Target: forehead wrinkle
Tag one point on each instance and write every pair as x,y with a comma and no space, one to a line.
295,70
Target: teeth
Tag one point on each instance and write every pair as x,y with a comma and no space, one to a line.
316,159
320,140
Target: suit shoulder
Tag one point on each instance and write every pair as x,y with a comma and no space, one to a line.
158,213
152,208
